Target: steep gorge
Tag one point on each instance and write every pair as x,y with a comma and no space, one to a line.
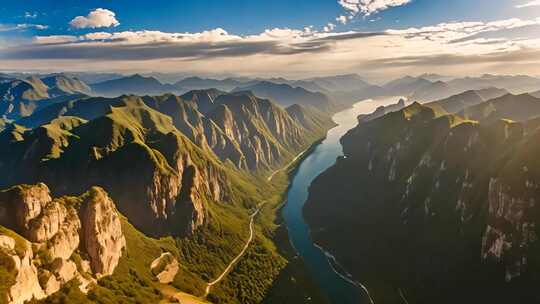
455,198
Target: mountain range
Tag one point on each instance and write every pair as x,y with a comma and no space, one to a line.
287,95
182,171
456,103
131,190
135,84
21,97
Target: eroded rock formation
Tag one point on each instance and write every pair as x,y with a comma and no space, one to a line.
39,245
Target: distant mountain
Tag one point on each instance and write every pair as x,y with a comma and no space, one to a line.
515,84
423,90
406,86
63,85
305,84
456,103
347,88
286,95
433,91
492,92
31,89
435,77
6,77
136,85
344,83
197,83
20,98
93,78
382,110
451,196
514,107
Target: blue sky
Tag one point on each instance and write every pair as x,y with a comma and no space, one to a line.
39,31
250,17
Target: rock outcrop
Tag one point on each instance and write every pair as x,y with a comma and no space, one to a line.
165,267
102,232
40,243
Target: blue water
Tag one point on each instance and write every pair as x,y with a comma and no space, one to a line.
338,289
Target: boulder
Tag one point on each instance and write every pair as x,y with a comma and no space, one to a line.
165,268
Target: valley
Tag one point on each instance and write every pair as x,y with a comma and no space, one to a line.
262,191
338,287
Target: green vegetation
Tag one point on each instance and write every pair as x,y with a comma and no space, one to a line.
137,154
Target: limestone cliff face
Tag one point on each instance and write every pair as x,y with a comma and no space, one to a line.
190,120
263,131
102,232
511,229
17,259
41,242
457,199
249,132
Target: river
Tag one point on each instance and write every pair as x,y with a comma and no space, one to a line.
338,288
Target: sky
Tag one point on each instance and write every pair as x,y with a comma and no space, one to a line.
300,38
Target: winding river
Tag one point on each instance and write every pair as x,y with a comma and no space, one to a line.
338,288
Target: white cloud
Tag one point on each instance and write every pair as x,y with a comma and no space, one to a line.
329,27
21,26
449,32
55,39
342,19
529,4
368,7
30,15
97,18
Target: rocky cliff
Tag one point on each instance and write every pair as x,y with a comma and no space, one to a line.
457,199
173,180
46,243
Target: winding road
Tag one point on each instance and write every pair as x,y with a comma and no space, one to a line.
231,264
286,166
248,242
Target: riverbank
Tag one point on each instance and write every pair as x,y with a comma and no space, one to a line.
333,279
295,283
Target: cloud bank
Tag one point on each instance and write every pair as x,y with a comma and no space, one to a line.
458,45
